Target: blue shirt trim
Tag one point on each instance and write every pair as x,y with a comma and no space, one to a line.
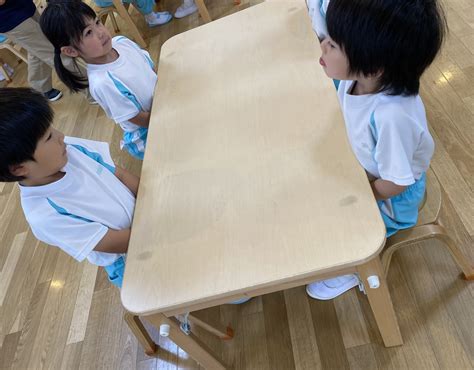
321,9
64,212
95,156
125,92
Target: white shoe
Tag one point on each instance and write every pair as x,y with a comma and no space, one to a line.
185,9
158,18
331,288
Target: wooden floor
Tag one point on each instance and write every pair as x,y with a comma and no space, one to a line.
56,313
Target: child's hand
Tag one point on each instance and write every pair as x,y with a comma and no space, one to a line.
142,119
128,179
384,189
114,241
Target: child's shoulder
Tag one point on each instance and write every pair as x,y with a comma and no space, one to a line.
401,110
80,141
395,105
124,41
96,150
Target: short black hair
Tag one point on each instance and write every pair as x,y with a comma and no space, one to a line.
25,116
63,22
399,38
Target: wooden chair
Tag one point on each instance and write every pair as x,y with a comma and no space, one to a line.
429,226
122,10
204,13
5,43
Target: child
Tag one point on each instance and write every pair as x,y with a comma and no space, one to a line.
377,50
72,195
121,75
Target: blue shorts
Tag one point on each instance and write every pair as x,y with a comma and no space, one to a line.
115,271
404,207
135,141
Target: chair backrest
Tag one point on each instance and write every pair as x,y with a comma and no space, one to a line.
431,205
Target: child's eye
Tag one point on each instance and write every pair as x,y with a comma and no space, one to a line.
97,22
332,45
88,32
49,136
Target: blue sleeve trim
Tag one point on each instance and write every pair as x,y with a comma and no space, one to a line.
120,38
64,212
321,9
125,92
150,62
373,128
336,83
95,156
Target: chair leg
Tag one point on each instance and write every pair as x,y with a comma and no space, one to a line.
417,234
17,53
458,256
114,22
132,28
5,74
203,10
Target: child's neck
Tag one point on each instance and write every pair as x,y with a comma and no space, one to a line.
365,86
110,57
43,180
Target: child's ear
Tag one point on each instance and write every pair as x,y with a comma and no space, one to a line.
69,51
19,170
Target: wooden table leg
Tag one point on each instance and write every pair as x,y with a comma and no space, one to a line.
203,10
188,343
137,328
217,329
130,24
380,302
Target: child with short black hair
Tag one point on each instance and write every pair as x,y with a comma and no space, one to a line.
376,51
72,194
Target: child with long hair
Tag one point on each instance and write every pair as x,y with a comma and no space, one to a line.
121,76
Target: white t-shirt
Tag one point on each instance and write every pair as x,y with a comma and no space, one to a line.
124,87
317,10
388,134
75,212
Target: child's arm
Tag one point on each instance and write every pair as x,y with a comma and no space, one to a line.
142,119
384,189
128,179
114,241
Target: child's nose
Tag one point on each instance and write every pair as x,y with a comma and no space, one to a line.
323,45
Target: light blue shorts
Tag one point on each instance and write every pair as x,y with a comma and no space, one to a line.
404,207
115,271
135,142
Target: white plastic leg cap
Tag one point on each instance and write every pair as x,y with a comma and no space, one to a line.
164,330
373,281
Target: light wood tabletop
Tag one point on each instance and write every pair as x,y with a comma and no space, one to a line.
248,180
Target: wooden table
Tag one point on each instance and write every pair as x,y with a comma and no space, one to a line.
249,185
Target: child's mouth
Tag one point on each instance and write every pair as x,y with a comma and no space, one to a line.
321,61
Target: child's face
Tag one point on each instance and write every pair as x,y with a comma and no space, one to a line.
96,41
50,157
334,61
